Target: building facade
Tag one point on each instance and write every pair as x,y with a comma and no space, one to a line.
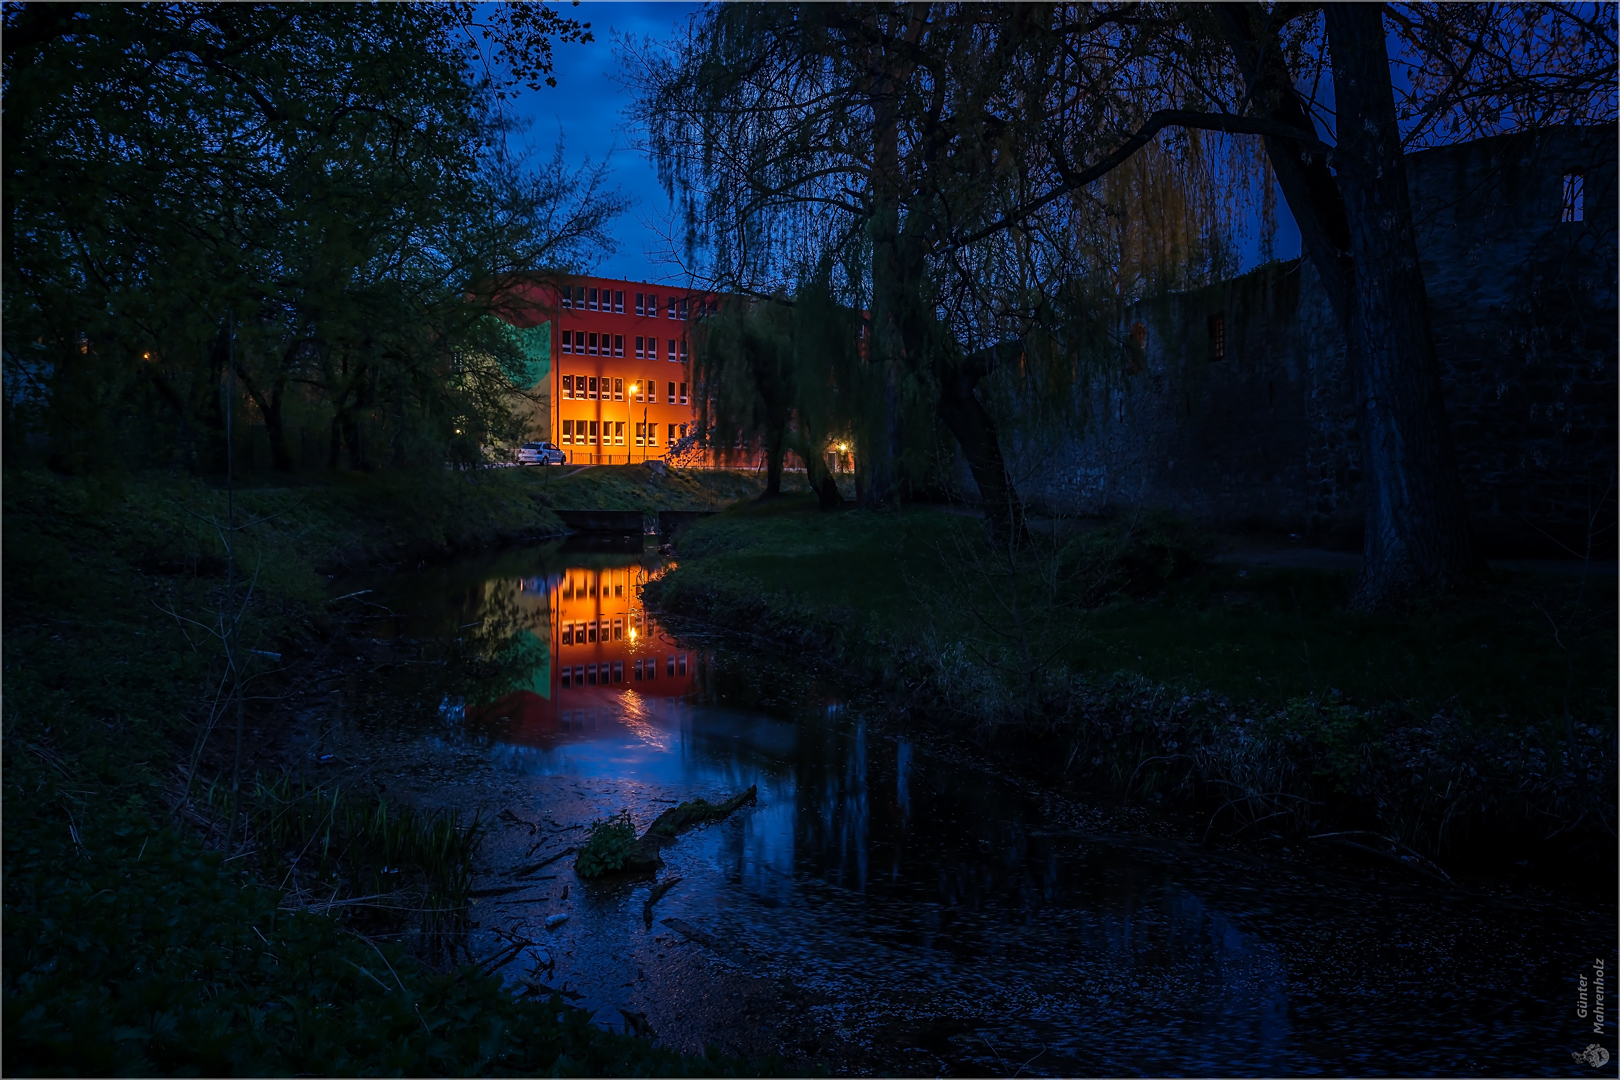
620,382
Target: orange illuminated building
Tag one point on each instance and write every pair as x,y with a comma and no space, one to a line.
621,385
601,646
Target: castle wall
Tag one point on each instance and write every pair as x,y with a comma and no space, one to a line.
1524,315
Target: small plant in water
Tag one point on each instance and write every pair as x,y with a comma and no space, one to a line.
607,846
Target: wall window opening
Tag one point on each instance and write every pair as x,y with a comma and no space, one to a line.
618,302
618,389
1574,197
618,344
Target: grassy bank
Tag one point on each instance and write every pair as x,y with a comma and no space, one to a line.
139,936
1117,657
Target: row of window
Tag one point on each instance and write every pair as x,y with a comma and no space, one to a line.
581,298
602,674
580,343
611,433
588,633
594,388
603,583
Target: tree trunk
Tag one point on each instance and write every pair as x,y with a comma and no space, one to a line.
270,408
1356,228
975,430
1417,520
773,465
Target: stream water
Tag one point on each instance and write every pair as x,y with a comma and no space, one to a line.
883,909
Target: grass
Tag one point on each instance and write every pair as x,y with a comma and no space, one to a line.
1266,635
136,940
1116,651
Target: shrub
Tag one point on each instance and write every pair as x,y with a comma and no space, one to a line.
607,846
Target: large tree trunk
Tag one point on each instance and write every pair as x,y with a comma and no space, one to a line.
773,465
1417,520
975,430
1356,228
274,426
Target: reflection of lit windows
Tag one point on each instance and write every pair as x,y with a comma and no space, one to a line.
652,667
579,675
566,681
638,671
618,624
671,669
618,588
591,630
590,674
618,671
568,633
683,664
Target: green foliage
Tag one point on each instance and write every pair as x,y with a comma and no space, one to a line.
335,183
1135,555
129,946
1346,739
607,846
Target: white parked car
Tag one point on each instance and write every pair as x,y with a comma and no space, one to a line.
540,453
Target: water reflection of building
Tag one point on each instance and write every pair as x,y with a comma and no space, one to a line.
603,649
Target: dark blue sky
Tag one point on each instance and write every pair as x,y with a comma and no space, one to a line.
587,107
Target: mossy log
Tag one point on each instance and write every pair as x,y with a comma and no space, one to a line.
678,819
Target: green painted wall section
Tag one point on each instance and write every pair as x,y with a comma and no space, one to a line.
534,344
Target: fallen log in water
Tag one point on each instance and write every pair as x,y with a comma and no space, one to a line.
657,894
678,819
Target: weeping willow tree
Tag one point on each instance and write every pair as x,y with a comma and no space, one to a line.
886,152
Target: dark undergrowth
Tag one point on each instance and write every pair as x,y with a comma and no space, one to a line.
1114,656
156,921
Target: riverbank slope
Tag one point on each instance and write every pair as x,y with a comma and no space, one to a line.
1117,658
135,940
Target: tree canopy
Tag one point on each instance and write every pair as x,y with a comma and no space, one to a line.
335,182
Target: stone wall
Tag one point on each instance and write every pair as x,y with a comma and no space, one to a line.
1523,308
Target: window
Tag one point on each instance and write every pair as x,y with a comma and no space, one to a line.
652,434
641,303
568,341
593,345
683,431
618,432
684,355
670,670
593,299
618,671
566,681
652,668
683,311
618,302
641,346
682,669
618,629
568,383
568,433
1574,197
618,591
590,673
567,635
590,628
579,674
672,350
672,393
671,307
593,431
567,296
652,305
579,298
593,389
638,671
672,433
641,434
683,393
618,389
618,344
1217,336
